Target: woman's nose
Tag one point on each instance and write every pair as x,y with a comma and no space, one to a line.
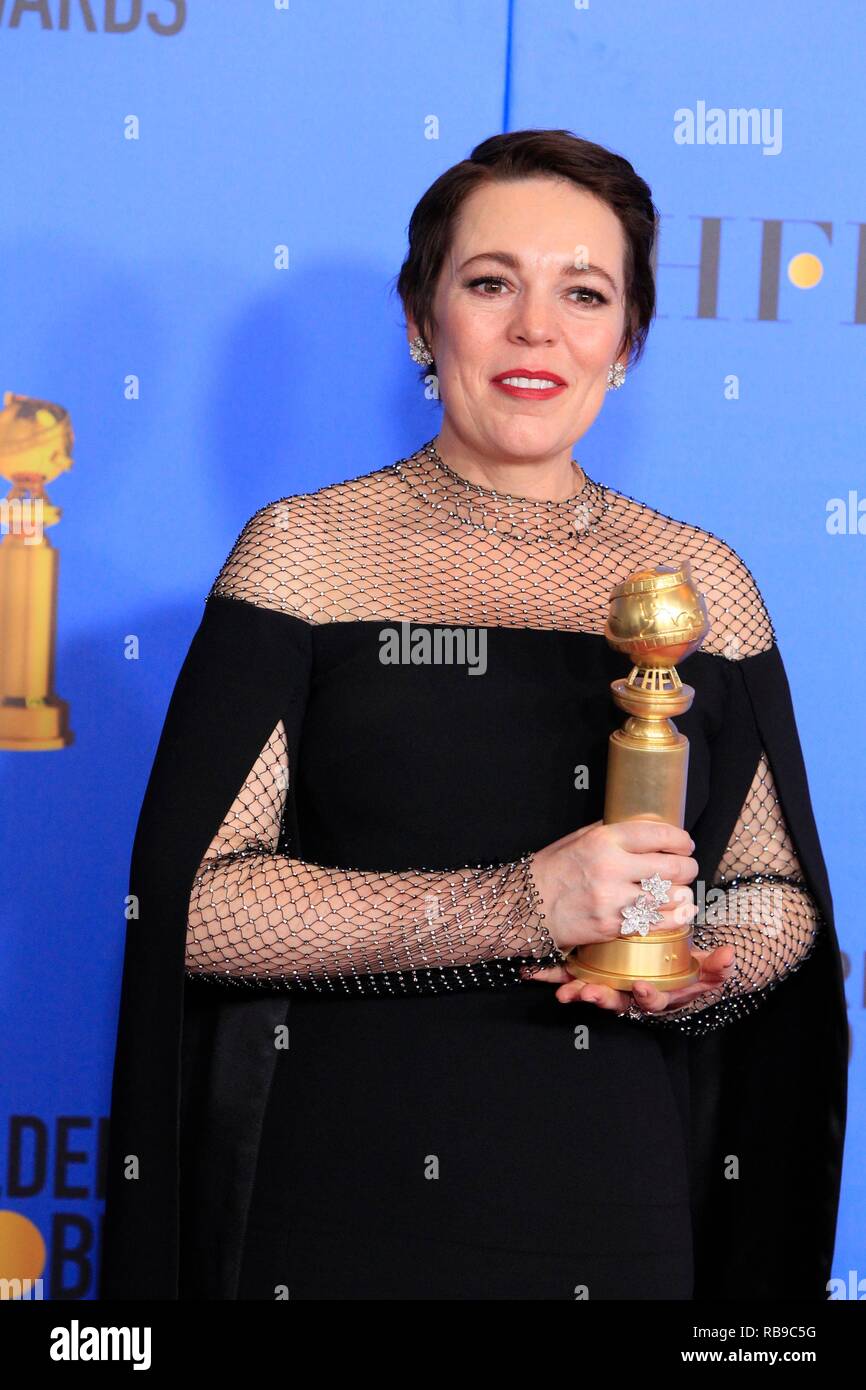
533,318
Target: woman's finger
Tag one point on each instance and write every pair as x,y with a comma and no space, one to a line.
650,998
719,961
603,996
552,975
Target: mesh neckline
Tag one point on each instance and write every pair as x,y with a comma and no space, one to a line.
522,518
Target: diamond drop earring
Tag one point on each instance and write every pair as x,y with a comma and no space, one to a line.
420,353
615,376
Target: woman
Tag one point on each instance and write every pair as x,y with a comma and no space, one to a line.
343,1066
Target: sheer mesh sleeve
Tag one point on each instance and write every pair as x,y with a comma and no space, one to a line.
759,904
259,917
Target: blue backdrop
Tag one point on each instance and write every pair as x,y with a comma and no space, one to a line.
205,206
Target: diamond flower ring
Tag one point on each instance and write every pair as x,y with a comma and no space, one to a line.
641,914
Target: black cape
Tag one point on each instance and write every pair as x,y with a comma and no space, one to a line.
769,1087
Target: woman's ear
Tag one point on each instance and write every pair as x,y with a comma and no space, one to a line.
414,331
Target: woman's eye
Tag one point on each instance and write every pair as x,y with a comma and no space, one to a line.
582,289
487,280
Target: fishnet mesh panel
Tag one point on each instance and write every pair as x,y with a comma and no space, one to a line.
415,541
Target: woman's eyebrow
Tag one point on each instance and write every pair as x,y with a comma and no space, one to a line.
513,263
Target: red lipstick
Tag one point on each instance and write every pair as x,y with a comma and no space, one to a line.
541,393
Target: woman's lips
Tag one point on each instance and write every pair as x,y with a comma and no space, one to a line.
530,393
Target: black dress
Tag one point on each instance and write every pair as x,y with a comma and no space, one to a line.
467,1146
450,1131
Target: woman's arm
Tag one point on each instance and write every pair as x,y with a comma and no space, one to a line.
257,916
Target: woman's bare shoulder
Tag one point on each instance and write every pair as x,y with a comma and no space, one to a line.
290,552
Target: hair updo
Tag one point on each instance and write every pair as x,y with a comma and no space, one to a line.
521,154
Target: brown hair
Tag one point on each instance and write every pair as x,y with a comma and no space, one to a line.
521,154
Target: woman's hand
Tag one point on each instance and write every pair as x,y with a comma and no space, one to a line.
584,881
586,878
715,967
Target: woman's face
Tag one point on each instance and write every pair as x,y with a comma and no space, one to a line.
541,312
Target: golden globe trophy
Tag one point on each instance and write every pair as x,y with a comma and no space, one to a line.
657,617
35,446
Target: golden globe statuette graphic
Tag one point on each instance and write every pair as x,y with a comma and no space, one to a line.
35,447
657,617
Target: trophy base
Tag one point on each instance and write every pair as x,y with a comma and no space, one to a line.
35,725
662,958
